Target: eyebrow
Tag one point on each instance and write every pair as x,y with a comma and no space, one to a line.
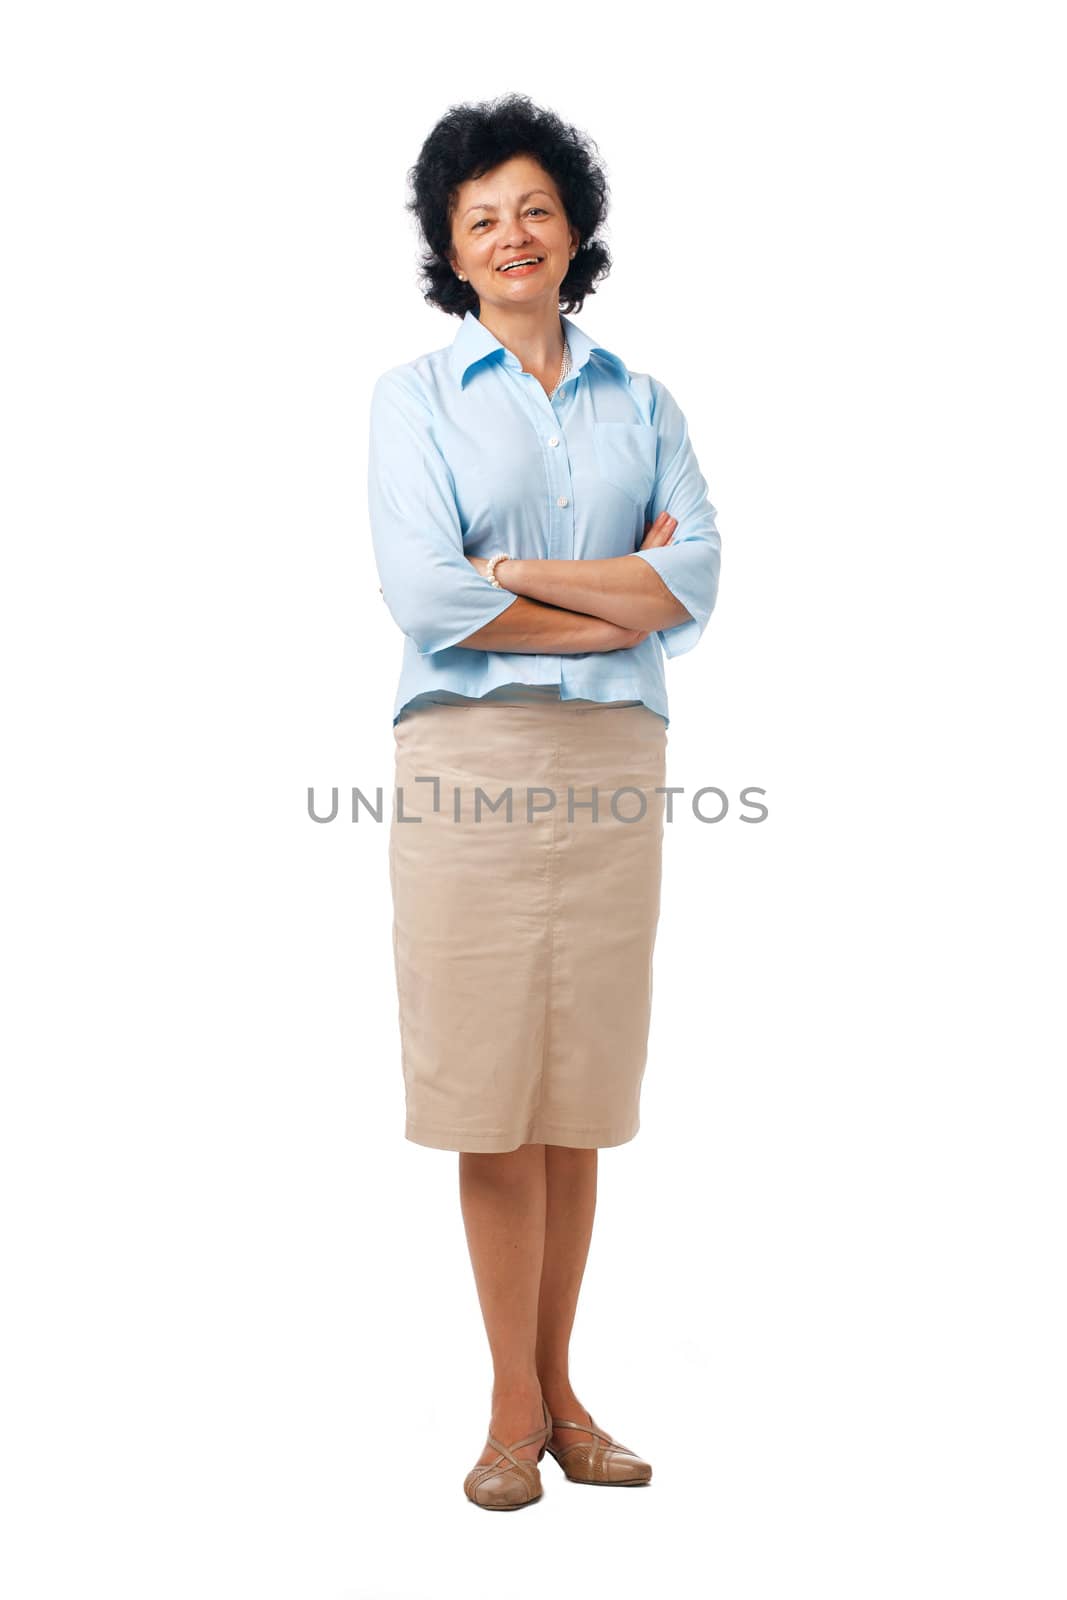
522,197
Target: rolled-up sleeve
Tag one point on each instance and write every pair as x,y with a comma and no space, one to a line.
433,593
689,565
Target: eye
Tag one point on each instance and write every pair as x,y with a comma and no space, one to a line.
475,226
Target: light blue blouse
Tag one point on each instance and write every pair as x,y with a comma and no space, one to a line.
468,455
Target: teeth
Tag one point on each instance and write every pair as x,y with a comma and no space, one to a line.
528,262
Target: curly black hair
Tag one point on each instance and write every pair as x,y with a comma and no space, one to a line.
469,141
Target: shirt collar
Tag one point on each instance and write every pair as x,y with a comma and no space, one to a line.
474,343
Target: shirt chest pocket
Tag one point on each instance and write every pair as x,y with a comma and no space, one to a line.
626,457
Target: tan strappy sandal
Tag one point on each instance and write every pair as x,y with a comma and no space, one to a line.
509,1481
599,1460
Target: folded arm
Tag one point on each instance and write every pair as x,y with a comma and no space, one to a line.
621,589
528,627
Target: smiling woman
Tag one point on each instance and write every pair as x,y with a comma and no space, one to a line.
526,240
544,536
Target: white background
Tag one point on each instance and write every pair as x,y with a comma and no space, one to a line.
243,1354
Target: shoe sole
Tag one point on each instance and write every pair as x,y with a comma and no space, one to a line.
517,1507
611,1483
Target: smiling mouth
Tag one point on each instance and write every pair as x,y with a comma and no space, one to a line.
517,266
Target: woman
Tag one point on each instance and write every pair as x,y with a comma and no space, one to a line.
543,535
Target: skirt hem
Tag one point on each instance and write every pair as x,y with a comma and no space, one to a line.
539,1133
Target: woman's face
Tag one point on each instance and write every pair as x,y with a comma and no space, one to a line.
511,212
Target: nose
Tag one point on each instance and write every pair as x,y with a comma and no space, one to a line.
517,233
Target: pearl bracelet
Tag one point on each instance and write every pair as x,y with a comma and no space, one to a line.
490,570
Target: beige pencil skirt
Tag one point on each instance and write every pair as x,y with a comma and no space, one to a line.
524,858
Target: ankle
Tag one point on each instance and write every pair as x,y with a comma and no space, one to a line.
516,1392
554,1372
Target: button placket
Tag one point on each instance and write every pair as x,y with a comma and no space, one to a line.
561,526
560,533
559,538
562,548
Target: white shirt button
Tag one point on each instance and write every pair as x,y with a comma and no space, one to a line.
553,441
562,501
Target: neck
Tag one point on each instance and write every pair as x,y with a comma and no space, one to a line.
532,333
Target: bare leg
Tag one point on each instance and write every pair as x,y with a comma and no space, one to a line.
502,1197
570,1206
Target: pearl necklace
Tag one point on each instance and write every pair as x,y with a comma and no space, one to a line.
565,367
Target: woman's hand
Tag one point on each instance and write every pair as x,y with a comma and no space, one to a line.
659,532
480,564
